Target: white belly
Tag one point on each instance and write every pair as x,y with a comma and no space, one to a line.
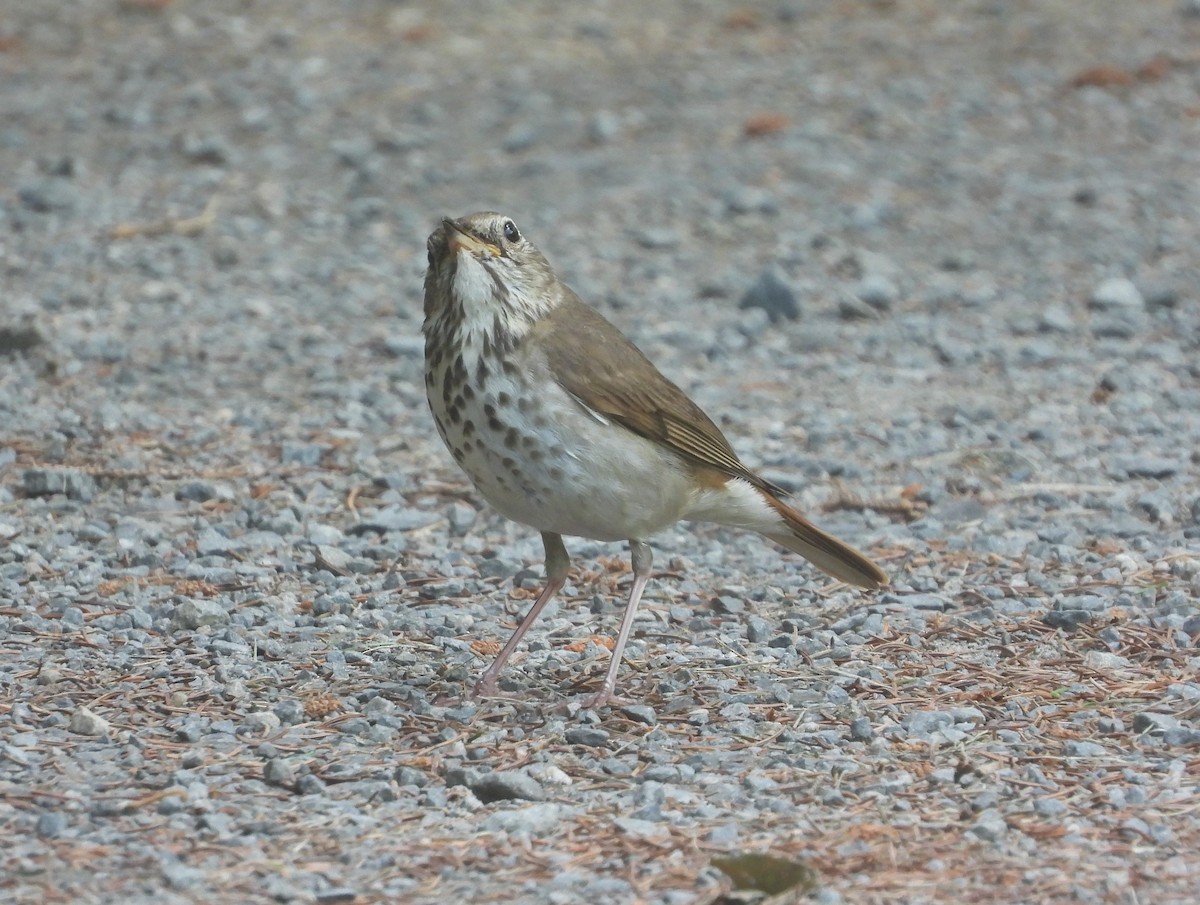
557,467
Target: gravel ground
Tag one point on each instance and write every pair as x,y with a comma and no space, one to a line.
243,589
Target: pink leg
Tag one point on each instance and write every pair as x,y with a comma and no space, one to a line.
557,564
642,559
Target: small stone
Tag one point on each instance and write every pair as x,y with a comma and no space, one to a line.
750,199
586,735
502,785
278,772
336,894
48,195
1182,738
758,630
1105,660
191,614
533,820
263,722
1084,749
211,542
310,784
1154,467
305,454
203,491
641,713
640,829
657,238
724,835
1056,319
1049,808
289,712
851,307
403,518
180,876
773,295
1067,620
334,559
171,804
923,722
860,729
51,824
461,517
74,485
1154,723
410,776
759,782
84,722
729,605
1117,294
14,340
521,137
989,826
604,127
877,291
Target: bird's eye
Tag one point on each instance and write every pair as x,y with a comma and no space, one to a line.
510,231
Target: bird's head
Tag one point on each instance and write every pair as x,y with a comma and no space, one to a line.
483,271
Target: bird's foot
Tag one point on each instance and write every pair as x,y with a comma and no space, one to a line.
483,689
605,697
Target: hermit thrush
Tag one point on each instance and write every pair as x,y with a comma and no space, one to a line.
564,425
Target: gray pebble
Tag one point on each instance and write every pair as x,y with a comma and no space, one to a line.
1117,294
402,518
310,784
773,295
48,195
290,712
750,199
533,820
85,722
638,828
640,713
502,785
860,729
1068,620
1056,319
989,826
51,824
1182,738
590,736
729,604
336,894
1049,808
1144,466
75,485
1084,749
306,454
461,517
1154,723
410,776
604,126
657,238
877,291
179,875
192,613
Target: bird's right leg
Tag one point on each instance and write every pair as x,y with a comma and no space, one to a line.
557,564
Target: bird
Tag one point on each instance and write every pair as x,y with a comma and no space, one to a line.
564,425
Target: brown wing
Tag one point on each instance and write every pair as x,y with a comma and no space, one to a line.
592,360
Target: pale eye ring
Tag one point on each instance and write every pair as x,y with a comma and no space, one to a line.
510,231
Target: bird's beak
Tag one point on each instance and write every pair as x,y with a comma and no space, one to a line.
458,240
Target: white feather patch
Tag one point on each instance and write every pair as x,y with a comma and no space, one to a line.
737,504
